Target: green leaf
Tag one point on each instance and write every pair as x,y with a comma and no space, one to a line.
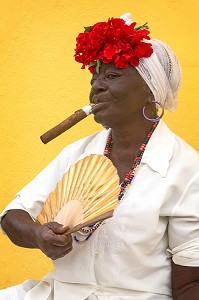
87,28
92,63
98,65
144,26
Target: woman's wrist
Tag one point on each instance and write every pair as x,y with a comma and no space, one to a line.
20,228
189,292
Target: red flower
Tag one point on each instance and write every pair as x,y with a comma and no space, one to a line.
112,41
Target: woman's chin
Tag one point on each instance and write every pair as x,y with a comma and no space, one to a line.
104,117
105,127
100,119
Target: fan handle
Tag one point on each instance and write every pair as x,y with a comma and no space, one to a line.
100,218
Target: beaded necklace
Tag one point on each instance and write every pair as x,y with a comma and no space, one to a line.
129,177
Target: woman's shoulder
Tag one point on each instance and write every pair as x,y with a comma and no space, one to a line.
185,160
182,148
181,158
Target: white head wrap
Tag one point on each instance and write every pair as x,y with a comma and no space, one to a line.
161,71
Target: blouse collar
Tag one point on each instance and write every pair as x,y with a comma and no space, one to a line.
158,152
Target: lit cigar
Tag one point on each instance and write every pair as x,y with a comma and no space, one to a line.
66,124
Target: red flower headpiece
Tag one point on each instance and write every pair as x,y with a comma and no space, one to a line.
112,41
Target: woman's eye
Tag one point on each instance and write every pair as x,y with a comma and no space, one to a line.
92,81
111,76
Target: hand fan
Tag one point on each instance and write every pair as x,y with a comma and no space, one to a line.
87,193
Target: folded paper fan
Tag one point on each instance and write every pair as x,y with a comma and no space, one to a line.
87,193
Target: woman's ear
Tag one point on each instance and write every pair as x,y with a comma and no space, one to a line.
148,92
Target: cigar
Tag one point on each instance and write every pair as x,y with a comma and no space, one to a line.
66,124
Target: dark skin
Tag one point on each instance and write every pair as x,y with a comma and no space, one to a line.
49,238
119,96
185,282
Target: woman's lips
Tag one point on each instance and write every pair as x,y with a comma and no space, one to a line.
98,106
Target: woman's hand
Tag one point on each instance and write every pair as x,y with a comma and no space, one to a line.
185,282
52,240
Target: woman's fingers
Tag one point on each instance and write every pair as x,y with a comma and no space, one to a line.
64,229
60,240
57,228
57,253
52,241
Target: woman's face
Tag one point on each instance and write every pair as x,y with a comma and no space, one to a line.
119,95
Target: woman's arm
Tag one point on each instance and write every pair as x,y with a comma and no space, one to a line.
24,232
185,282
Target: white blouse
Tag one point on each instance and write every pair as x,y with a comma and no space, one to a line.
129,255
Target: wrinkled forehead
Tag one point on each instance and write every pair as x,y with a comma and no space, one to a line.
106,68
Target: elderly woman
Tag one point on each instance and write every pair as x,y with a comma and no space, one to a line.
149,250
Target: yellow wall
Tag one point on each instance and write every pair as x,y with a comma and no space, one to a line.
41,84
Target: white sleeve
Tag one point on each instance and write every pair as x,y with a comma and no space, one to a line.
183,226
33,195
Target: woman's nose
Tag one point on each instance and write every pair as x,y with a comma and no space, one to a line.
98,86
